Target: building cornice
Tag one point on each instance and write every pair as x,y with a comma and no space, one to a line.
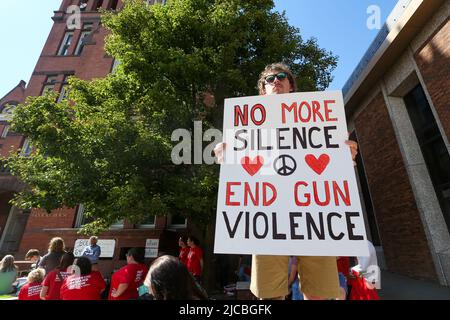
396,42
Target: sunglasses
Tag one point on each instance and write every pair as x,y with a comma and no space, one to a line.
280,76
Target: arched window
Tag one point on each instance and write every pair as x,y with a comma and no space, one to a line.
8,108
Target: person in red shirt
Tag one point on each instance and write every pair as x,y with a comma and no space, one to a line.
52,283
343,265
366,277
83,284
184,250
195,258
126,281
32,289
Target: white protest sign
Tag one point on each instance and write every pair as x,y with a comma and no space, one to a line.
151,248
107,247
287,185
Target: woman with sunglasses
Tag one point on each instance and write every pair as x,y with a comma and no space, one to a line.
318,275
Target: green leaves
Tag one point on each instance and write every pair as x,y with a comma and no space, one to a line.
108,145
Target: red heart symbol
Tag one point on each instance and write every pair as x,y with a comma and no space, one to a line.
252,166
318,165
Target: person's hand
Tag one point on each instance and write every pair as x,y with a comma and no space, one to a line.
369,285
114,293
353,148
219,151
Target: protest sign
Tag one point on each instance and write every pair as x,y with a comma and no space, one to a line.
287,184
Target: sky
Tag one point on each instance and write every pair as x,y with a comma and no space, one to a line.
339,26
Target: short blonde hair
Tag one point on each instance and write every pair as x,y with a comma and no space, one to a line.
36,275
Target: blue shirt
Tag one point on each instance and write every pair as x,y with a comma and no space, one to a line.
92,253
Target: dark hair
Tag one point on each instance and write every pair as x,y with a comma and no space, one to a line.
85,265
270,69
183,238
32,253
66,260
137,254
169,279
194,240
7,264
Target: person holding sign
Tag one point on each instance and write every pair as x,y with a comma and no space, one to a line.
318,274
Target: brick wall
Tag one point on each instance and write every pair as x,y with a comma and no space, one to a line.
39,238
403,238
433,62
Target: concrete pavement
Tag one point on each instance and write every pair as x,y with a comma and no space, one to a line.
397,287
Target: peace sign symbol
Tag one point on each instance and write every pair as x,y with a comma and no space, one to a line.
284,165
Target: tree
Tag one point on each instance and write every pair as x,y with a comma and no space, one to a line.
109,145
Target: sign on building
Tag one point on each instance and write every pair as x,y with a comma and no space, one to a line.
107,247
288,185
151,248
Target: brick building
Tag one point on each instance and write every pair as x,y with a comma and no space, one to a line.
397,105
69,52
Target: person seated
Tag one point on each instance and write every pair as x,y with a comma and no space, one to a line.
34,256
84,284
8,274
32,289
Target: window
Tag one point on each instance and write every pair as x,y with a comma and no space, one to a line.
84,36
163,2
117,225
115,65
177,221
98,4
151,2
65,45
63,93
82,219
49,84
83,5
148,222
113,4
5,131
432,145
27,148
8,109
366,197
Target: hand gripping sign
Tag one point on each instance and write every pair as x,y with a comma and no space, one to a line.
287,184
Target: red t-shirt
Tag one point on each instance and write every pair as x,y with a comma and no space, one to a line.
193,264
360,290
183,256
343,265
30,291
133,274
54,283
87,287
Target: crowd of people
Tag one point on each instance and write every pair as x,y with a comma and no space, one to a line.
59,275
